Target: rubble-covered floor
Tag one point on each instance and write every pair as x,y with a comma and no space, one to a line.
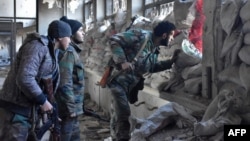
94,129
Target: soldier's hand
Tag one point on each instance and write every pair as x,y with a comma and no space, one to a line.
127,66
47,107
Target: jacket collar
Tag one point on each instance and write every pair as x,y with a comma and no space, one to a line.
76,47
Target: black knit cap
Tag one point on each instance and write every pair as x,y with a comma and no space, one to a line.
59,29
74,24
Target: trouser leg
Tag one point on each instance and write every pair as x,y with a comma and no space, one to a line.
13,127
122,111
113,119
70,130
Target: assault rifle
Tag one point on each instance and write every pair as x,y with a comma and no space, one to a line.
50,119
51,124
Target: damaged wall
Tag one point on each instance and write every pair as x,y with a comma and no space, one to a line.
49,10
228,32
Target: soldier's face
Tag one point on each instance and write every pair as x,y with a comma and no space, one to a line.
167,38
78,37
63,43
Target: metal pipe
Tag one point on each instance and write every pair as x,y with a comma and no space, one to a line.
18,18
209,82
13,48
37,15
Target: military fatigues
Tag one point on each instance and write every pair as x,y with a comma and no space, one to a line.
125,47
70,93
21,90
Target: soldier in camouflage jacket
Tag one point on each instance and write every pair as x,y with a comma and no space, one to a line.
70,94
126,78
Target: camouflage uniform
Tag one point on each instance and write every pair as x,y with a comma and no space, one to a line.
21,90
125,47
70,93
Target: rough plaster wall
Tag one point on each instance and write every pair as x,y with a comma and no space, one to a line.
46,15
49,10
76,12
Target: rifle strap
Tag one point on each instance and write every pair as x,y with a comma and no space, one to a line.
141,49
134,60
33,126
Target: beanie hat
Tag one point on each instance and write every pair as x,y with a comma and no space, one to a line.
59,29
74,24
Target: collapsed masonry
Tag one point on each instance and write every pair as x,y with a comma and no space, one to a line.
225,50
100,53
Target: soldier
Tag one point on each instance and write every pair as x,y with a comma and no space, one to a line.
135,52
70,93
21,91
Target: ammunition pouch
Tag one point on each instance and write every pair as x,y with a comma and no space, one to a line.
133,93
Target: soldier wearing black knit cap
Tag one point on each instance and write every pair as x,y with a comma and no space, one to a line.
21,91
70,92
77,30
